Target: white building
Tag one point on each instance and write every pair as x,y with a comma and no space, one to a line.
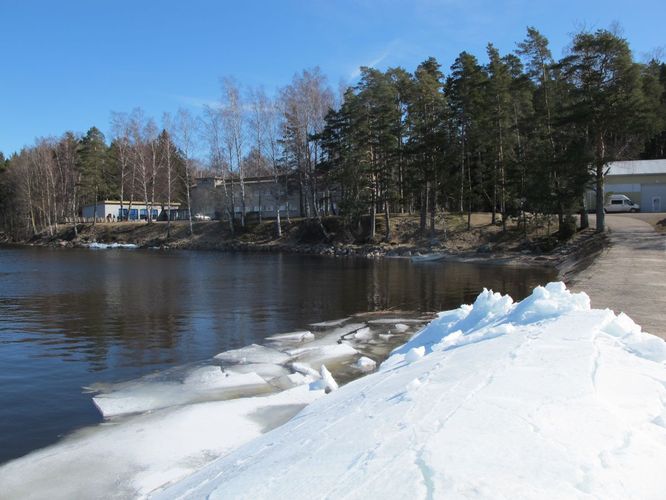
644,181
111,210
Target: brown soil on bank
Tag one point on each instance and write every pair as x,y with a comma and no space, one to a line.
482,242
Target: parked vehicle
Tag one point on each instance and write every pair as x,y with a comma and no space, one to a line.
201,217
620,203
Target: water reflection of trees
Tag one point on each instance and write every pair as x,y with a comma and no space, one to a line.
146,310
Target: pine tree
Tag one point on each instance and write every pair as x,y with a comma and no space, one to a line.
428,139
499,104
465,91
608,101
654,89
92,166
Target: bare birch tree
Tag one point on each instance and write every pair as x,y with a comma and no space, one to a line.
234,135
305,103
266,124
184,132
122,150
212,133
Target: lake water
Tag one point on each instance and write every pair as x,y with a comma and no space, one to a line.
70,318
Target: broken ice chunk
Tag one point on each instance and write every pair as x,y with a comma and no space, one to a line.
297,337
317,356
363,334
414,354
365,364
253,354
326,382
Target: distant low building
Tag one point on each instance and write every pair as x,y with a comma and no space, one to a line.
211,196
644,181
111,210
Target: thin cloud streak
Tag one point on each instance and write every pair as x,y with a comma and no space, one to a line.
388,51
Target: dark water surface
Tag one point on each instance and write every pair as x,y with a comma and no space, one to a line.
73,317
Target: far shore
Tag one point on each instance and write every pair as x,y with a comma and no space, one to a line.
483,243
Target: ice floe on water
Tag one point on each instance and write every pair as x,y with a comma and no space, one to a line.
130,458
163,426
202,384
543,398
365,364
106,246
253,354
328,324
299,337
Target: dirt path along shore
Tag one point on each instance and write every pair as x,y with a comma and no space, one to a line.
630,276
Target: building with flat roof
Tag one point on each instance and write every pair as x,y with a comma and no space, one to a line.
644,181
263,196
135,211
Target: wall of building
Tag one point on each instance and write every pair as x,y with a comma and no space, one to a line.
648,190
208,198
137,212
653,198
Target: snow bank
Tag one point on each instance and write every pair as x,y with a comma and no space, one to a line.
545,398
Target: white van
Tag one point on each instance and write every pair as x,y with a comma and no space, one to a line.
620,203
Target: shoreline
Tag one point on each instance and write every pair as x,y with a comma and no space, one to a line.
568,258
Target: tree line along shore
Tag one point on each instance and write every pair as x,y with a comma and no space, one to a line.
520,134
535,244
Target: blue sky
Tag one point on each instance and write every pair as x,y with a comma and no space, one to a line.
67,64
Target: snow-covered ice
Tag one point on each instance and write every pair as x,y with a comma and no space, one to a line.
165,425
401,327
131,458
414,354
318,355
363,334
292,337
389,321
200,384
365,364
325,381
545,398
328,324
253,354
